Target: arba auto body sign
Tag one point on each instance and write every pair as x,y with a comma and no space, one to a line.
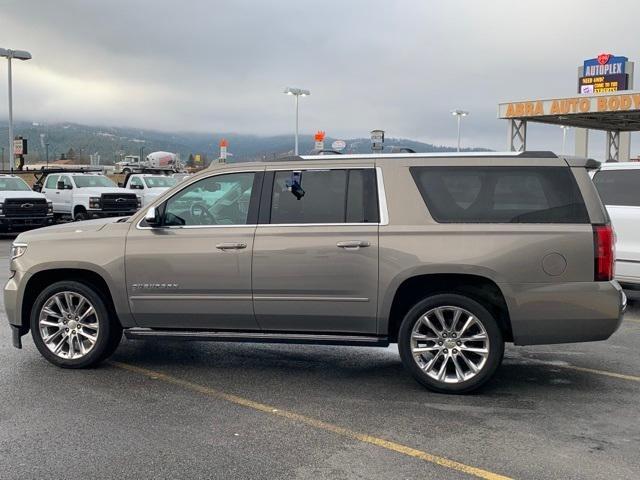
569,106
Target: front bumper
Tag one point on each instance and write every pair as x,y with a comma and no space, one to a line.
110,213
564,312
17,224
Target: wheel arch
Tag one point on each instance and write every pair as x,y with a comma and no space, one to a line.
417,287
40,280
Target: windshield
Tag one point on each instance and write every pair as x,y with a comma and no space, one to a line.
155,182
13,184
84,181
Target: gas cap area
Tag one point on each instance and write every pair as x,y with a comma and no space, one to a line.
554,264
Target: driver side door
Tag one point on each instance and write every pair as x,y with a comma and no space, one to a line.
194,270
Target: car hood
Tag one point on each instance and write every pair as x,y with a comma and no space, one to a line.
20,194
68,229
97,191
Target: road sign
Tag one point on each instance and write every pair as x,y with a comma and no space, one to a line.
338,145
20,146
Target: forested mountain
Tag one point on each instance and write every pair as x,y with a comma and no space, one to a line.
111,143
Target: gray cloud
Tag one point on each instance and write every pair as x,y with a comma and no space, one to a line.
222,65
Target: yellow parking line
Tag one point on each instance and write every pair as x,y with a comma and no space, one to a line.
318,424
622,376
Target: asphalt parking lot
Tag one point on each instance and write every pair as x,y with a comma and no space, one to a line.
207,410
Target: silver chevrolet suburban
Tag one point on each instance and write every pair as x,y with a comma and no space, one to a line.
449,256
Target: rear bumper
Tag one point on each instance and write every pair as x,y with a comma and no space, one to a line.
565,312
17,224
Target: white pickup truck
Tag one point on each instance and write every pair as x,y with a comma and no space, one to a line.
20,207
81,196
619,187
149,186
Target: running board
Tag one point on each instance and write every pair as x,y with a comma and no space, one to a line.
256,337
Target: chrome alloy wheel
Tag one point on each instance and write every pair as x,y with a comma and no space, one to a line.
450,344
69,325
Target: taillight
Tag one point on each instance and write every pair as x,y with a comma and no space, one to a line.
604,240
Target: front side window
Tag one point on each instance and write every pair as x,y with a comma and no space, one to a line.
13,184
217,200
619,187
160,182
324,196
135,183
52,182
501,194
87,181
66,181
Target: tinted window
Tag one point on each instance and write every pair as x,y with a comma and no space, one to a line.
217,200
619,187
324,196
501,194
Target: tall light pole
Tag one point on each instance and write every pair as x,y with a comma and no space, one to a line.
459,114
564,137
20,55
297,92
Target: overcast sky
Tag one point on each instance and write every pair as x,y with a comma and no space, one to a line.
221,66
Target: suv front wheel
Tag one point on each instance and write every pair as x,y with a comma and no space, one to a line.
450,343
70,325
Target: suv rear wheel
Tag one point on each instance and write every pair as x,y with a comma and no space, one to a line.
70,325
450,343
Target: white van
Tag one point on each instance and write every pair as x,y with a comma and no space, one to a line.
619,188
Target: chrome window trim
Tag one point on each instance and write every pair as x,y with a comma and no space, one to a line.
382,203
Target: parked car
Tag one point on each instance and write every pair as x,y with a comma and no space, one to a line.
20,207
619,188
148,187
449,256
81,196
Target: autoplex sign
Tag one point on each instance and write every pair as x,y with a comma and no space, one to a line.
570,106
604,64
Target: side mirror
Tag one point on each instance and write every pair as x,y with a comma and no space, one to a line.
152,217
137,187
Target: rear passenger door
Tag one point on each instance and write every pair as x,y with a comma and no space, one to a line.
620,192
315,255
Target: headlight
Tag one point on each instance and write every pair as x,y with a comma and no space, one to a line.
94,202
17,250
50,208
139,201
1,208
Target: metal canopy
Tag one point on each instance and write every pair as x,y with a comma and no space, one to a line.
616,113
609,121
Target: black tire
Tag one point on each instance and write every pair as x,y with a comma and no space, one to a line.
80,215
493,332
126,171
108,337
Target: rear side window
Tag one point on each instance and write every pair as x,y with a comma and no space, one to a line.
619,187
501,194
324,196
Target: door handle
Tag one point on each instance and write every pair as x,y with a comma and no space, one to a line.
353,244
231,246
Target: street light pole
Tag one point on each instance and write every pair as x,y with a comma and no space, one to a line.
459,114
20,55
46,155
297,92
